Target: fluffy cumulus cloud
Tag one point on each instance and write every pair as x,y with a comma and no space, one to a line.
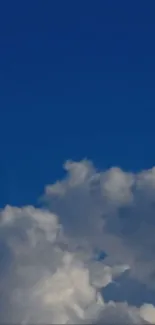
52,266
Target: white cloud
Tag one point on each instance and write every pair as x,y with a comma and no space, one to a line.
118,204
147,312
50,274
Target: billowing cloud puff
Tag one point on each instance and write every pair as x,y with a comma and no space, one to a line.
147,312
52,270
113,210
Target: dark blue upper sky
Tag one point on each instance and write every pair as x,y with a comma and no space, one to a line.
77,79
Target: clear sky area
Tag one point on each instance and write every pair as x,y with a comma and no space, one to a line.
76,81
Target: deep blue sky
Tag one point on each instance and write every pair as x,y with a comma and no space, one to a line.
77,79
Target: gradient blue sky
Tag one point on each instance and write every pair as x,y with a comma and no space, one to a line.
77,79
